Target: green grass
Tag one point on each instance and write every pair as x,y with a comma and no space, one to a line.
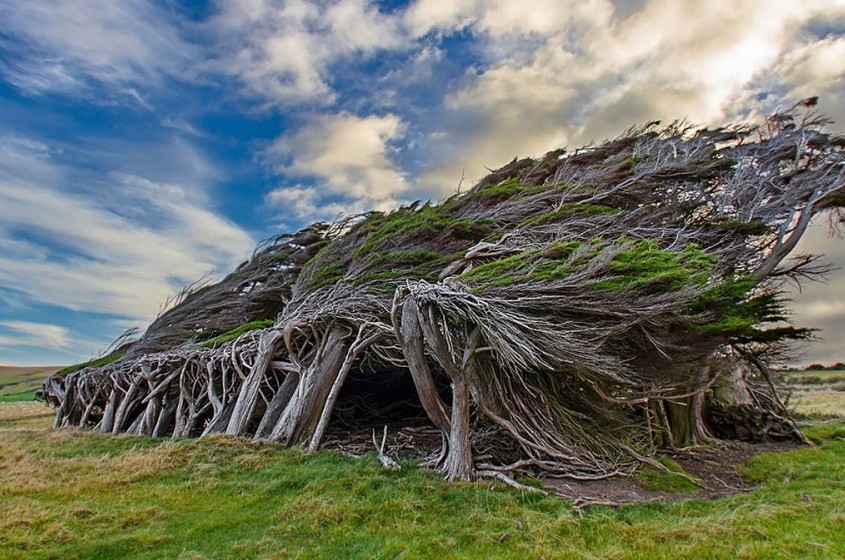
18,397
651,478
811,376
74,494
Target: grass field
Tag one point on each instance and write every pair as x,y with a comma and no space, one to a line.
819,394
77,494
20,383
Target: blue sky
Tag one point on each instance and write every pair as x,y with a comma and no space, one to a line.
144,143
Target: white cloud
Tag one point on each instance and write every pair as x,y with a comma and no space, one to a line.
27,333
350,157
78,47
98,256
581,73
304,203
281,51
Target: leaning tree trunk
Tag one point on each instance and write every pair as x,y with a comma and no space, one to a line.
299,419
244,407
686,413
422,323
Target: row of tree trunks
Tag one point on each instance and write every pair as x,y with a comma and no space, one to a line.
197,397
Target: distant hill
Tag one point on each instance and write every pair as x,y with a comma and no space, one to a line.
19,383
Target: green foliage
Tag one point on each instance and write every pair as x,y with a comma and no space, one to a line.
554,262
754,227
509,188
238,331
400,265
76,494
736,311
500,270
96,362
645,265
328,266
410,242
567,210
384,231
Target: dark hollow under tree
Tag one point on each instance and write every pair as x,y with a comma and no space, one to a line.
569,315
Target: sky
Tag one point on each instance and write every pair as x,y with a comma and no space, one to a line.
146,143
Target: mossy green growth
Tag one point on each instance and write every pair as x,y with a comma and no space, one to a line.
554,262
388,231
735,310
567,210
392,266
500,271
96,362
753,227
327,267
510,187
656,480
644,264
238,331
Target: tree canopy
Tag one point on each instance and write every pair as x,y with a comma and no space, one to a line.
569,314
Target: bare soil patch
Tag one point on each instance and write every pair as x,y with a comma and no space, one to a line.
716,467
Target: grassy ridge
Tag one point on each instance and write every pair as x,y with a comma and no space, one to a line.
84,495
20,383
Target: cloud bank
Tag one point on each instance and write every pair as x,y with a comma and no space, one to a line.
164,110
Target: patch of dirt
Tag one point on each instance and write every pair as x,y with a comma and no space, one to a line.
408,442
715,466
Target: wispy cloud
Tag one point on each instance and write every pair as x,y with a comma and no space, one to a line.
101,50
25,333
282,51
350,158
579,72
76,252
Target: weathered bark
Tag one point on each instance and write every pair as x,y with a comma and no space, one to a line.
220,421
737,414
297,423
277,405
459,465
83,421
107,423
145,423
414,351
126,404
61,389
164,423
361,342
248,396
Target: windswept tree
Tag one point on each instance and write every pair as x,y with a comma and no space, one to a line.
570,314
